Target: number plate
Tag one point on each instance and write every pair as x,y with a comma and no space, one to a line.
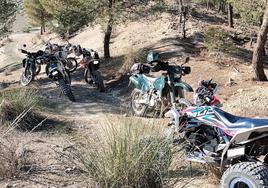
236,152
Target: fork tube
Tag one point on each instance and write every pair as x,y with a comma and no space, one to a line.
172,92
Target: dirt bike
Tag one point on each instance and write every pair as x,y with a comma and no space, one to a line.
158,94
91,63
62,52
205,94
56,71
238,146
32,66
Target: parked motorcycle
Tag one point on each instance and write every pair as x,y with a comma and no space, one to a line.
162,93
205,94
62,52
91,64
56,71
212,136
32,66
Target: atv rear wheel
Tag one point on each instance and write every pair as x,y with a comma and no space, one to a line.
66,89
245,175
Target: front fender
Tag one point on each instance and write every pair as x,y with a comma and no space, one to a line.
184,86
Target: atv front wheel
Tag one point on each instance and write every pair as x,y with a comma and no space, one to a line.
245,175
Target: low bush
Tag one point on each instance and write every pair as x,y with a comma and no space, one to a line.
218,40
13,159
20,106
134,56
129,153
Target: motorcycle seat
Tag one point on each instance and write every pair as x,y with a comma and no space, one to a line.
150,79
238,122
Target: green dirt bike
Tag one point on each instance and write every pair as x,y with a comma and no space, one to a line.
162,93
56,71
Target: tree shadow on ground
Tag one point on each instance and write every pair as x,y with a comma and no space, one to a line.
205,17
177,47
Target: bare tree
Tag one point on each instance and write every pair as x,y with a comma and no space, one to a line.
259,51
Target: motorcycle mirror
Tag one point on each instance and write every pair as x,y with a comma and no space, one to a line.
187,59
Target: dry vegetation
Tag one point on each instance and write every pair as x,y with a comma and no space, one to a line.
127,152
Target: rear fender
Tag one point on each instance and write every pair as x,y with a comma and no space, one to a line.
242,138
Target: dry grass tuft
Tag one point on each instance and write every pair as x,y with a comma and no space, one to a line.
14,161
138,56
127,153
20,107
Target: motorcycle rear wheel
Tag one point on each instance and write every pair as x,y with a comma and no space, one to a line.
71,64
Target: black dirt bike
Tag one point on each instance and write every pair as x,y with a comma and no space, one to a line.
56,71
32,66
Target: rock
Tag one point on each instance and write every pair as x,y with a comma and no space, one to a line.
8,185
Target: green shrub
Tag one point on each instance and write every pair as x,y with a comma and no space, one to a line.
129,153
217,39
21,106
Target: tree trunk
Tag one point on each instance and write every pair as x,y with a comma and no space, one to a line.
41,30
180,2
108,33
258,55
230,15
208,4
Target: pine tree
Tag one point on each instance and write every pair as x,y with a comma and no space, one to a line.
7,14
37,13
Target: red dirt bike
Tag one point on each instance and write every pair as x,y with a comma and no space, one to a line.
91,64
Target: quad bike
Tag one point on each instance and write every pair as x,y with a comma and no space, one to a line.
62,52
238,146
32,66
161,93
56,71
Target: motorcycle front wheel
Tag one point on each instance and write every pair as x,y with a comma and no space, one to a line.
96,78
26,77
138,109
66,89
